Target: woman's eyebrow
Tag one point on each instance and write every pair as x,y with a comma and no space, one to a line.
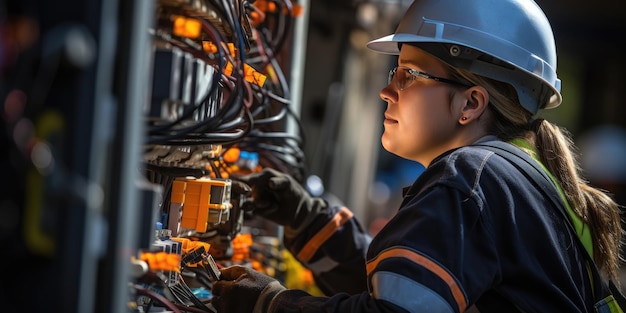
407,61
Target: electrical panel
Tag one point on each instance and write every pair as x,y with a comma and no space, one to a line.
219,106
127,125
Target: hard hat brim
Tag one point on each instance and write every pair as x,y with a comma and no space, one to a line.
389,43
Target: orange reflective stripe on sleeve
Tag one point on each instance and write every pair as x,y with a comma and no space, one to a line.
309,249
426,263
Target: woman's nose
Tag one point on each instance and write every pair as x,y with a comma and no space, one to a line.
388,94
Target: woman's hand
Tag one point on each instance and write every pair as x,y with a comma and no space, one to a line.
242,289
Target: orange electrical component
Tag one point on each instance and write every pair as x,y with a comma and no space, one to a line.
209,47
205,201
185,244
265,6
270,6
252,76
197,244
256,17
232,49
221,173
189,245
187,27
196,209
162,261
178,191
228,69
257,266
296,10
241,247
231,155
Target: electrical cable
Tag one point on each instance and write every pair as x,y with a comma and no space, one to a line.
191,309
284,26
222,55
157,297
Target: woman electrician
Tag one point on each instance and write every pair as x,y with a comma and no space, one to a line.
472,233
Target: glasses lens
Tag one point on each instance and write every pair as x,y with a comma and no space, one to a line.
391,75
398,75
401,76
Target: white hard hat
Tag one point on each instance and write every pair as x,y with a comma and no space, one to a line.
505,40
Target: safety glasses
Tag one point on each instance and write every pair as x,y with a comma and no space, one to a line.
404,77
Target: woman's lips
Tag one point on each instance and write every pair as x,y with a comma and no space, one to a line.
389,120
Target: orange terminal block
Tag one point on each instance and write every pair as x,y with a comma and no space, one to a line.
206,201
161,261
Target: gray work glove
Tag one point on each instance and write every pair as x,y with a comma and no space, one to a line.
242,289
280,198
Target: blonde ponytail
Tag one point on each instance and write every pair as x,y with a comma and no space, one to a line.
596,208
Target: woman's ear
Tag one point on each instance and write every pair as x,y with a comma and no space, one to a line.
477,100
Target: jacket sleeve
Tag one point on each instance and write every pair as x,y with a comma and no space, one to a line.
436,254
333,247
417,263
298,301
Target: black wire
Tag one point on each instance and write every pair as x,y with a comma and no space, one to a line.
201,277
210,29
244,114
272,119
208,137
183,290
165,134
288,21
228,110
199,126
155,296
269,52
203,129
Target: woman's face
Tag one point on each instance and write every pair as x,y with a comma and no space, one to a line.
421,121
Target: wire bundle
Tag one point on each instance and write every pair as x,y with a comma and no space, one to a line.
243,104
236,109
277,149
